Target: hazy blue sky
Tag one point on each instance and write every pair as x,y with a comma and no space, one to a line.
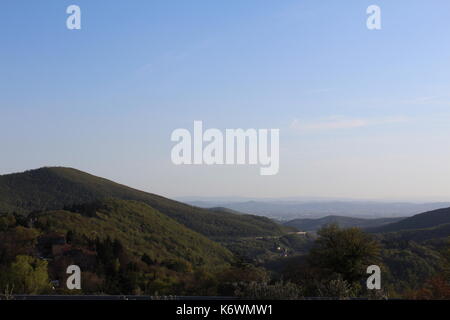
362,114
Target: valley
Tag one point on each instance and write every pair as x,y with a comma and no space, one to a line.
131,242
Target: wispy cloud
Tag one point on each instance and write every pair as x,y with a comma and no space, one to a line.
340,122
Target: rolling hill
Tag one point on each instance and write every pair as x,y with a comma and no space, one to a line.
54,188
420,221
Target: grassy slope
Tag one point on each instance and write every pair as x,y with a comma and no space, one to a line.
54,188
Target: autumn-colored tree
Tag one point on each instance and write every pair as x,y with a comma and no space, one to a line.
17,241
436,288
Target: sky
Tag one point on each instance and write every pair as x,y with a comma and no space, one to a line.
362,114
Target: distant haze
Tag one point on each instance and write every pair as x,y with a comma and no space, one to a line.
288,210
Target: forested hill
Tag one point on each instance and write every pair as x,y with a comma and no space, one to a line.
140,228
425,220
56,188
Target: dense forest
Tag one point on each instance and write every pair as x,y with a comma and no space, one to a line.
130,242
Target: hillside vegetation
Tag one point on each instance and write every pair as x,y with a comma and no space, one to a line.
140,228
121,246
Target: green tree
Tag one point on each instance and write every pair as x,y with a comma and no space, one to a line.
345,253
29,275
336,288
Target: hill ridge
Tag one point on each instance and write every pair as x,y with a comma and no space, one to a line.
424,220
309,224
53,188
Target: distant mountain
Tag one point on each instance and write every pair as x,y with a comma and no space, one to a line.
344,222
420,221
57,187
289,210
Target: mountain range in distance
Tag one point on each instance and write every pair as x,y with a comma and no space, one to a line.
430,225
64,199
53,188
127,240
287,210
